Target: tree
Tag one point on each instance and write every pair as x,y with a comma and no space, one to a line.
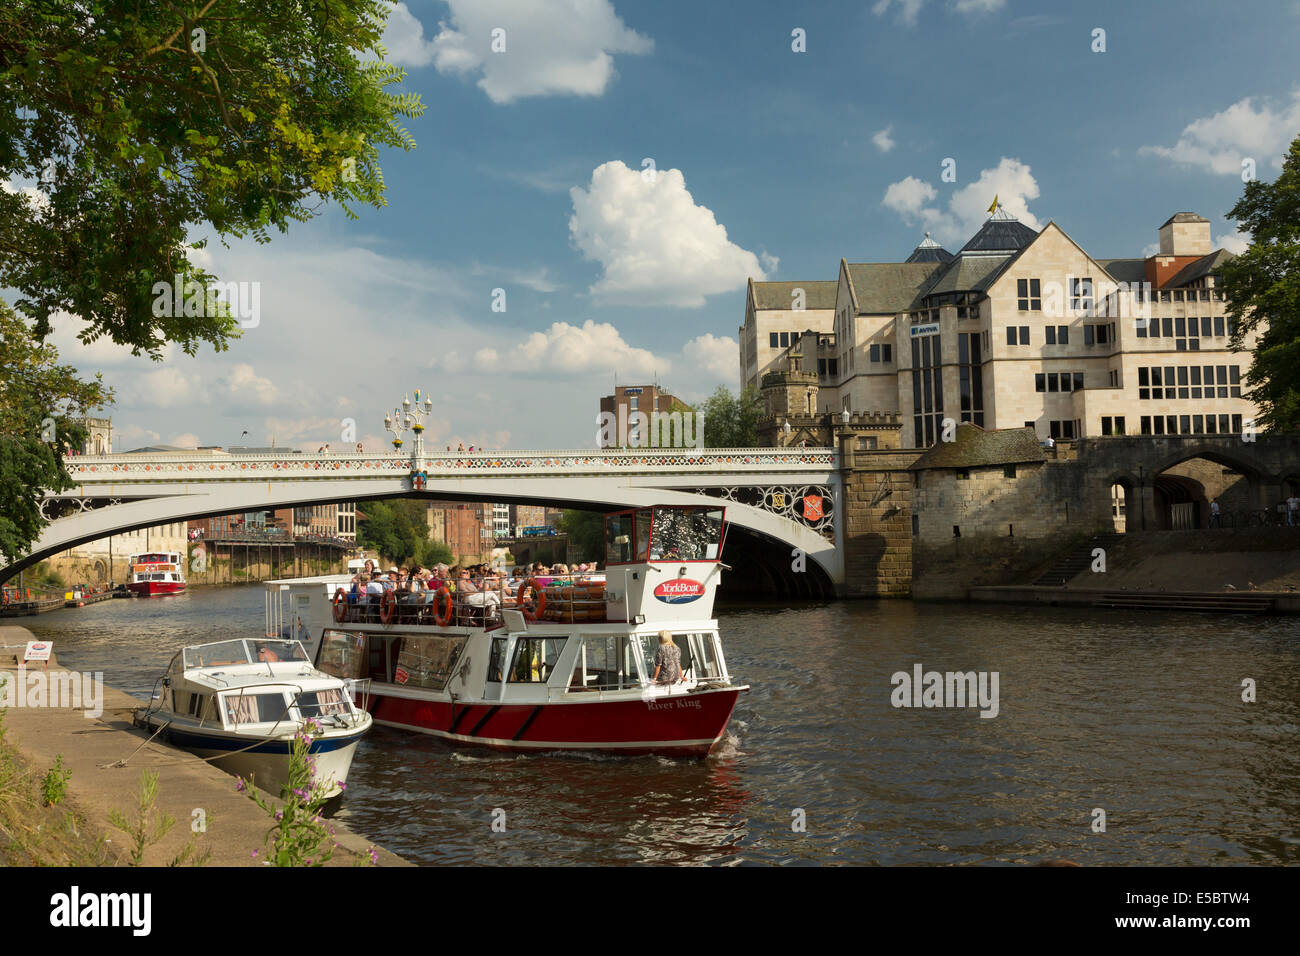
137,121
732,422
586,529
40,401
140,119
399,531
1262,286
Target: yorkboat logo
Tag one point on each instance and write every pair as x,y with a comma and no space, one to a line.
679,591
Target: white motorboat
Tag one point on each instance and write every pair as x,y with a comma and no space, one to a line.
240,703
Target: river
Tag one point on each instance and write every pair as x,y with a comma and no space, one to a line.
1137,714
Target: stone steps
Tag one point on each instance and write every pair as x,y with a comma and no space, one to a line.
1076,562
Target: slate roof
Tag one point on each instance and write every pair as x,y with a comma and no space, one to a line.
819,294
1206,265
973,447
887,288
1125,270
1183,217
966,274
1000,235
930,251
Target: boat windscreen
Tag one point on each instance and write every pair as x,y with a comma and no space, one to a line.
221,652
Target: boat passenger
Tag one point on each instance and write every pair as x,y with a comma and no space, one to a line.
668,661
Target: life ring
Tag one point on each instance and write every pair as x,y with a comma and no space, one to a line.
443,619
387,607
340,605
536,613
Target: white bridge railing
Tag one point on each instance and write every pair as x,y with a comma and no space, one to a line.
202,467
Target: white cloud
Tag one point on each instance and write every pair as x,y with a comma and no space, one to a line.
102,352
1235,242
884,142
978,7
1151,249
551,46
539,279
656,245
718,357
908,9
566,349
126,437
908,196
242,388
37,200
185,440
161,388
1011,181
1219,143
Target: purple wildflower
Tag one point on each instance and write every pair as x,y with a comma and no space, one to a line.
240,786
374,856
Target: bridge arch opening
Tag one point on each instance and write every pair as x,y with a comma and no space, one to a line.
1184,489
1123,503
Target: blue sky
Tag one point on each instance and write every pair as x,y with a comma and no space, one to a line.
770,163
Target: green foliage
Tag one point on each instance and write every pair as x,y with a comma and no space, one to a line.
54,785
399,530
149,825
586,531
732,421
1262,286
141,119
34,388
299,837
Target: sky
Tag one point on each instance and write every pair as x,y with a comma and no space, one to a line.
587,201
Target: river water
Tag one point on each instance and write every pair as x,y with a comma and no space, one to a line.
1139,715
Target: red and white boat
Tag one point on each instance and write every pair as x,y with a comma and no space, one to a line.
157,572
571,670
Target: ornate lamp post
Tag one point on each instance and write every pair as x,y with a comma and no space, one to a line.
411,417
415,416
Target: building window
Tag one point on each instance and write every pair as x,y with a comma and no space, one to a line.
1008,471
773,339
1029,295
970,378
1081,295
963,474
927,390
785,339
1040,382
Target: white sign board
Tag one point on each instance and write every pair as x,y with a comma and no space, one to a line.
38,650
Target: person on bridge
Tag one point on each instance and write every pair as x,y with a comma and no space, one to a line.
1214,514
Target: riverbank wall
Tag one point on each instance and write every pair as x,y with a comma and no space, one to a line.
106,755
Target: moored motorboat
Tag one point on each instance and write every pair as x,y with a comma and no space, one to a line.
562,665
240,704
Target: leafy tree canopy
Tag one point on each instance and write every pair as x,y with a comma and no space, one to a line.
586,530
40,401
135,121
732,421
1262,286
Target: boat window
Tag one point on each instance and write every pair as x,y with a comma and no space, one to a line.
343,654
427,661
265,707
642,534
686,534
535,658
270,652
322,703
605,663
697,662
497,660
221,652
618,539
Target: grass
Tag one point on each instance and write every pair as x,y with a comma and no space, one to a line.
54,785
35,834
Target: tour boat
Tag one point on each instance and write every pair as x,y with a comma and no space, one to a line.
564,666
240,703
157,572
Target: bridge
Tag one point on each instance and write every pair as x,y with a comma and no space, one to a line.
764,491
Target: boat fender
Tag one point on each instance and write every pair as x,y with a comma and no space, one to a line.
340,605
387,607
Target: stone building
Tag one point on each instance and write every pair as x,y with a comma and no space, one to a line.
1020,328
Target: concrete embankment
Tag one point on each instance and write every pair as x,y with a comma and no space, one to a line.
106,756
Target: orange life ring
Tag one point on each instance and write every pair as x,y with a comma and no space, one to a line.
536,613
340,605
387,607
443,619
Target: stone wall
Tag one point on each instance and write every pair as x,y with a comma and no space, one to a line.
877,522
